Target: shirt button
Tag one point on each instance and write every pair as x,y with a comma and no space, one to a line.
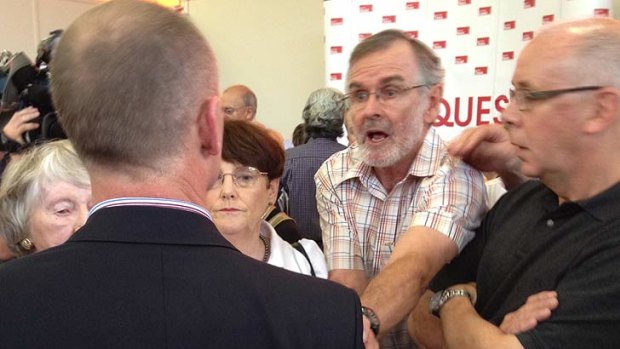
550,223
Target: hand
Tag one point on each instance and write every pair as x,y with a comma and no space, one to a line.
537,308
488,148
20,123
369,339
425,328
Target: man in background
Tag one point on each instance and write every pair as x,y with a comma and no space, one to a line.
149,269
239,103
323,117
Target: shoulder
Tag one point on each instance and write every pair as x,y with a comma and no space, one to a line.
339,166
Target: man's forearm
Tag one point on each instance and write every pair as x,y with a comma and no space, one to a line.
463,328
417,257
394,292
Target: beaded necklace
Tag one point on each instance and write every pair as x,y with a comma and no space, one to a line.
267,248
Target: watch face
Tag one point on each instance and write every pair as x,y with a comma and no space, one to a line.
433,305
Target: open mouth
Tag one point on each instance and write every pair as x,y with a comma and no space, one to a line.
376,136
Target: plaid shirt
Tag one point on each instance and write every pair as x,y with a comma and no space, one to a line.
361,222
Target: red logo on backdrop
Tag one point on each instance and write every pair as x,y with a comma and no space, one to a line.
527,36
482,41
510,25
413,5
336,21
484,11
547,19
460,59
335,49
412,34
440,15
462,31
363,36
529,3
481,71
439,44
601,12
508,56
464,2
365,8
335,76
389,19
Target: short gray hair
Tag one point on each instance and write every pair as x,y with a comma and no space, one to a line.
128,78
324,114
24,180
429,64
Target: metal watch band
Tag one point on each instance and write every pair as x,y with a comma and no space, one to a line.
444,296
373,318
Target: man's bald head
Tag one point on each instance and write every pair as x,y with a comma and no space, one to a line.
128,79
239,102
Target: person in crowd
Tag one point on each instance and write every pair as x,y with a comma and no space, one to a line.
323,118
21,121
545,257
44,198
239,103
395,207
252,164
149,269
349,128
299,135
11,136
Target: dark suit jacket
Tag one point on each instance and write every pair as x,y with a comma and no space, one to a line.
149,277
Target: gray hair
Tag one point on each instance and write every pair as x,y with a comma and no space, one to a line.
128,77
429,64
24,181
324,114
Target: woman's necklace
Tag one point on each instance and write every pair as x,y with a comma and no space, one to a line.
267,248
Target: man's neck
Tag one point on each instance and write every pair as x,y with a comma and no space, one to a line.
109,185
584,182
390,176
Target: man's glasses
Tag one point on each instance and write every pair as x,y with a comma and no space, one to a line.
243,177
524,97
386,95
228,111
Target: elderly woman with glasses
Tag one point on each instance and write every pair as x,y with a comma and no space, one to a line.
44,198
252,163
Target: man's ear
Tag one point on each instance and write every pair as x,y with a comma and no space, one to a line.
434,102
211,126
606,112
249,113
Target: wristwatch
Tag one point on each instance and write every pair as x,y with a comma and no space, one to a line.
440,298
373,318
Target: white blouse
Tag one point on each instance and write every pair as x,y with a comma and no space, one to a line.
285,256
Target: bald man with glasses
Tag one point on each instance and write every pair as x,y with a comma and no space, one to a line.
543,271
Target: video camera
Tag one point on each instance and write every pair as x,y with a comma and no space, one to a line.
28,85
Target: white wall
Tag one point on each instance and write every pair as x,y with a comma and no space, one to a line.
273,46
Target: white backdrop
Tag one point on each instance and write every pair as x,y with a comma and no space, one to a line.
477,40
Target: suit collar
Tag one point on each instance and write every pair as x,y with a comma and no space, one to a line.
150,225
